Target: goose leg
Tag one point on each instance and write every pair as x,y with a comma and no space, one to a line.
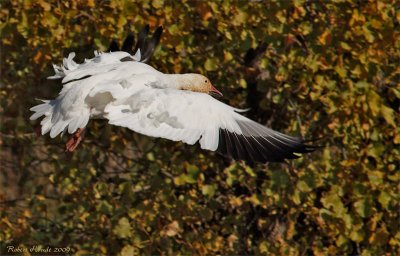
74,141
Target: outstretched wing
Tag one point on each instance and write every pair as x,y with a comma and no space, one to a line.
190,117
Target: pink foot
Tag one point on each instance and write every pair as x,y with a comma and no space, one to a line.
74,141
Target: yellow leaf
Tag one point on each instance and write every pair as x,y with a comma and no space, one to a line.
207,15
376,24
103,249
368,35
90,3
128,250
121,21
46,6
341,71
82,252
239,18
348,163
235,201
243,83
84,216
231,240
374,103
253,199
397,139
303,186
123,229
172,229
27,213
211,64
388,114
40,198
325,38
345,46
384,199
227,56
157,4
357,235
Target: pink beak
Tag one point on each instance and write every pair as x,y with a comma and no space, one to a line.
215,92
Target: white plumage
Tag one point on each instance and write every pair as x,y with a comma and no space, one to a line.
132,94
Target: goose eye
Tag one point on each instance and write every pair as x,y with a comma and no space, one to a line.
205,81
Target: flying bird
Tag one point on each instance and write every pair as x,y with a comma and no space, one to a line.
118,87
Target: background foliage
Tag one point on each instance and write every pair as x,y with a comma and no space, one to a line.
329,69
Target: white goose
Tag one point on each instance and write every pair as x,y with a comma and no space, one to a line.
132,94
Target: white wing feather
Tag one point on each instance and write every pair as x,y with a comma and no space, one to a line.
176,115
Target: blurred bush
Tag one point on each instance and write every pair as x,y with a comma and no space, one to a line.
330,70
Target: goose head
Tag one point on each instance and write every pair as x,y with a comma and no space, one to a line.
197,83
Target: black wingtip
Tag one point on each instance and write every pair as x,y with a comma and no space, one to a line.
141,42
252,55
311,144
147,47
114,46
151,46
253,149
127,45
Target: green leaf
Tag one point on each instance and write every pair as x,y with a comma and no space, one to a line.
279,179
297,197
388,115
363,85
184,179
333,202
276,98
123,229
368,35
306,182
104,207
129,250
384,199
173,29
363,207
375,177
157,4
341,240
342,72
209,190
249,171
357,235
303,186
345,46
193,171
239,18
211,64
374,102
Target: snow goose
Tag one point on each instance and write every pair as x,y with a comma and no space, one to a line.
179,107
